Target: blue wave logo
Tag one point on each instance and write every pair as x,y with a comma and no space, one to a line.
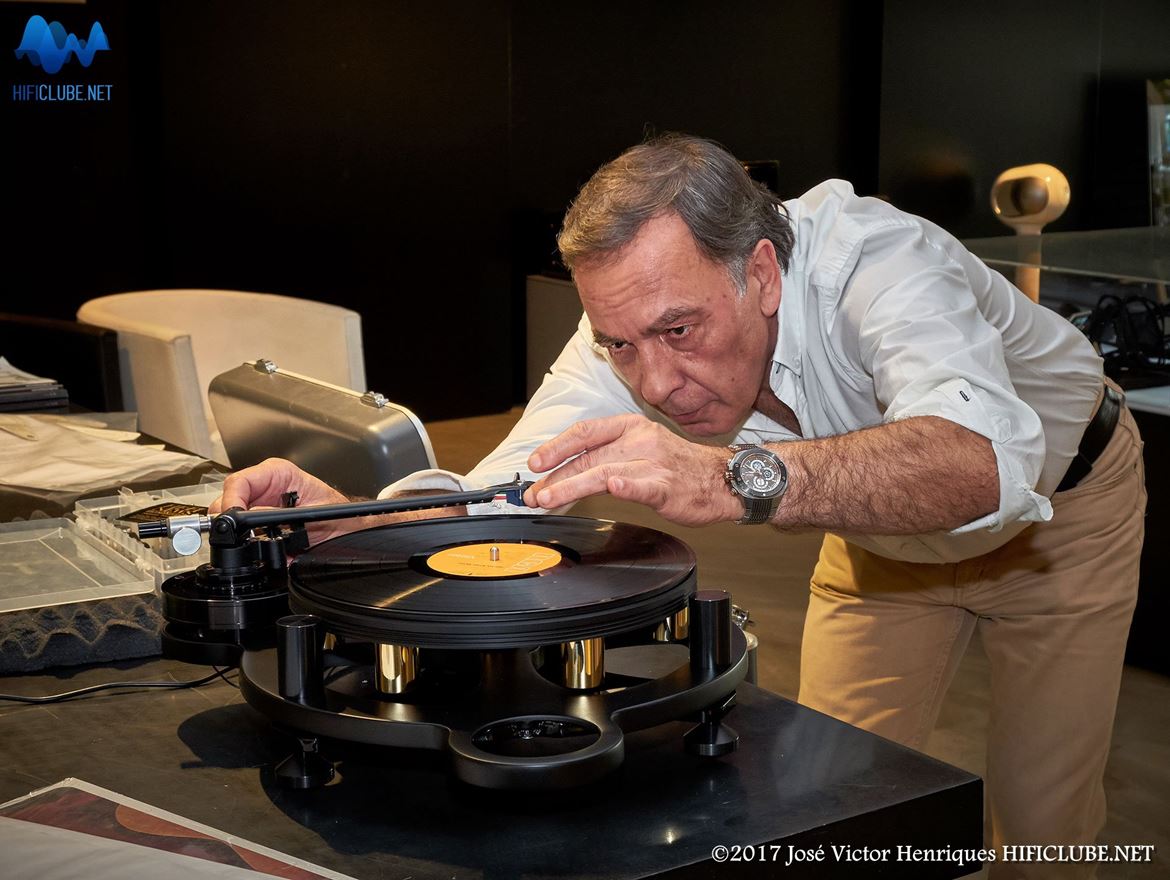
49,46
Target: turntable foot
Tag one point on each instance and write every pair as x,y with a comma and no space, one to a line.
304,768
711,738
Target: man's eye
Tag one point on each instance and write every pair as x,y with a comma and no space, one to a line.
680,331
615,347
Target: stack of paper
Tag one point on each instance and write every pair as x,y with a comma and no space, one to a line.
70,453
24,392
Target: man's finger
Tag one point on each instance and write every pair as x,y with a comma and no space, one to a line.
576,439
590,458
649,491
259,484
237,492
583,485
571,468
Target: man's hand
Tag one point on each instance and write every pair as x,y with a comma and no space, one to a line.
908,477
635,459
262,485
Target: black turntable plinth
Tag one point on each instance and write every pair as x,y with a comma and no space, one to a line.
798,779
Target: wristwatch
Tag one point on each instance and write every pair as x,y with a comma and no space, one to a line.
759,478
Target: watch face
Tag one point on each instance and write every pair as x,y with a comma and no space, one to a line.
759,474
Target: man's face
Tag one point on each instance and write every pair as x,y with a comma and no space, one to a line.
677,329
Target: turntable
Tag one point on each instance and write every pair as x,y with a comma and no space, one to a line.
525,647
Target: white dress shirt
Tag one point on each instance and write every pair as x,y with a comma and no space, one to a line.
883,316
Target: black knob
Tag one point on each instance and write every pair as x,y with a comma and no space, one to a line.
710,636
299,646
156,529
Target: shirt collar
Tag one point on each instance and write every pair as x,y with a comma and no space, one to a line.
791,317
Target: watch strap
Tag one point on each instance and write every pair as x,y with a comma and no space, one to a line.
757,511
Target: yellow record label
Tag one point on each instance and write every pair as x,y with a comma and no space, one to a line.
502,559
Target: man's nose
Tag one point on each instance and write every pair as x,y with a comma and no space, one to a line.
660,378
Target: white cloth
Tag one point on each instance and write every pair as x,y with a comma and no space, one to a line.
883,316
61,454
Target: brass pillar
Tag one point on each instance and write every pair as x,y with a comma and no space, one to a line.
583,664
675,628
396,668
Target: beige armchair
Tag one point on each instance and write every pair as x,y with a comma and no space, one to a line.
172,343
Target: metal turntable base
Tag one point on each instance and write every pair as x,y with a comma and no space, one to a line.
509,727
491,638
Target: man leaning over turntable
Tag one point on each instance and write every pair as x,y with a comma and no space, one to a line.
873,379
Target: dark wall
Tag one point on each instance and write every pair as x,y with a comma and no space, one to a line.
411,161
969,90
400,159
785,81
1135,46
770,80
354,153
70,227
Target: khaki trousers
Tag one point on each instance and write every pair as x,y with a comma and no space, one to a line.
883,639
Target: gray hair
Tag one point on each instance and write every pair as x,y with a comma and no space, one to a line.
726,211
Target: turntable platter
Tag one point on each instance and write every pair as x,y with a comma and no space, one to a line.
494,582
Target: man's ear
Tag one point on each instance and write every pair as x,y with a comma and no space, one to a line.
765,271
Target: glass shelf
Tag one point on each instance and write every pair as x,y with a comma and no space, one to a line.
1139,255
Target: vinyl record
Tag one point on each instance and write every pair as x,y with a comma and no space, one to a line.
494,582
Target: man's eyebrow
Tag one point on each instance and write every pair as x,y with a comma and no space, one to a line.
669,318
672,318
604,338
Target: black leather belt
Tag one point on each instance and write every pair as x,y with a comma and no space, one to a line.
1094,440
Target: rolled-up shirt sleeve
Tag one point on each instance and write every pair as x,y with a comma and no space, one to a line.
580,385
930,352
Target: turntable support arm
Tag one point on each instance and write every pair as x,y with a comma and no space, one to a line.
233,528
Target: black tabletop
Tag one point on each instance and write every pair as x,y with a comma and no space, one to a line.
799,779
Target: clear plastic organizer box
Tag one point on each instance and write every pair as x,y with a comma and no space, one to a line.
48,562
153,556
